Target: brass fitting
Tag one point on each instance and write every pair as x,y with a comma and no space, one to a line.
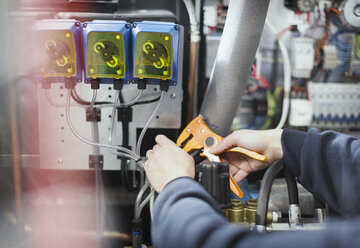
239,213
250,210
236,213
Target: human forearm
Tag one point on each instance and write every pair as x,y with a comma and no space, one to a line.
185,215
327,165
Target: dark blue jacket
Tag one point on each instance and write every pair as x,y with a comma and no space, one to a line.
327,164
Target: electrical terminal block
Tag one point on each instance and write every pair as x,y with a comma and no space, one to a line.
330,57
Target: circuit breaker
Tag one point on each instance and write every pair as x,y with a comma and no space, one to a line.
335,105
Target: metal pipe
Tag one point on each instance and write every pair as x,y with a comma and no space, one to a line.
191,80
15,154
193,60
240,39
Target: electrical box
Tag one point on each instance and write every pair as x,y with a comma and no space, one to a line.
57,45
106,50
156,48
302,57
300,113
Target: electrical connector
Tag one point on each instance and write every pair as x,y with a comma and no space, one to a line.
46,84
69,83
164,85
93,114
118,84
95,84
124,114
96,161
137,232
141,84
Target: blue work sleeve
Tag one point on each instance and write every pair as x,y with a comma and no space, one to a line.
186,216
327,164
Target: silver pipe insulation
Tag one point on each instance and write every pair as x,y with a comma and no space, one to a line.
239,42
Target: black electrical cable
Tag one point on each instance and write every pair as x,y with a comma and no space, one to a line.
80,101
146,101
121,97
125,143
265,189
264,193
318,203
291,186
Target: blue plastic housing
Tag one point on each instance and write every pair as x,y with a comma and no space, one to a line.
67,25
108,26
176,32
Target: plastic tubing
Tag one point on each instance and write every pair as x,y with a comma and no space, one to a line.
142,134
123,104
58,105
137,210
123,151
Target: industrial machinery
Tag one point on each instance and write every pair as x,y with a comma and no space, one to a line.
89,84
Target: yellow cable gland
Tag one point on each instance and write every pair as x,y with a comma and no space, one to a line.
159,64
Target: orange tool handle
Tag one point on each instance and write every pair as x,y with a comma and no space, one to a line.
249,153
235,188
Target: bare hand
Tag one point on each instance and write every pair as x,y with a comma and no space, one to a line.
166,161
267,142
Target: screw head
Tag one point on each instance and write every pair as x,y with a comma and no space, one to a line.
127,25
133,81
172,95
60,160
77,24
84,25
177,27
134,25
174,83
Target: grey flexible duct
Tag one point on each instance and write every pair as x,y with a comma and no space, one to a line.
239,42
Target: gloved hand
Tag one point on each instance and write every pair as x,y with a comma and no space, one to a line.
166,161
267,142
